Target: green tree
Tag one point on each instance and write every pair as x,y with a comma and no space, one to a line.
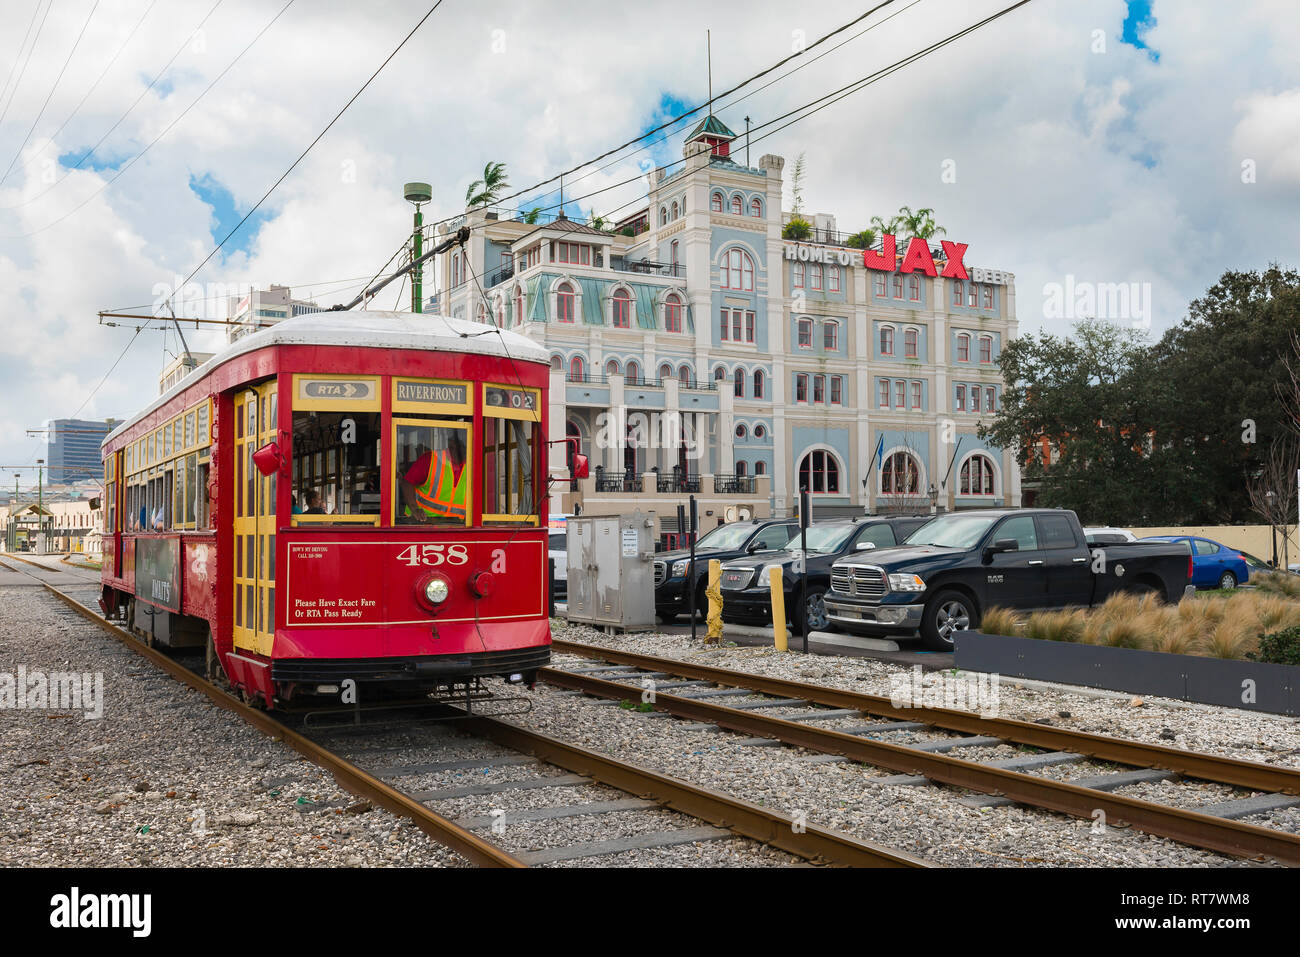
530,217
486,191
797,228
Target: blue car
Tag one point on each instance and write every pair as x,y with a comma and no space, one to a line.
1213,565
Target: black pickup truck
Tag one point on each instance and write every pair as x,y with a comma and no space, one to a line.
952,568
746,585
672,570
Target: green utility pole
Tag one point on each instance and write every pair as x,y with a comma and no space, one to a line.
417,193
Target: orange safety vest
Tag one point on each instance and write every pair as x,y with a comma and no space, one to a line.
441,493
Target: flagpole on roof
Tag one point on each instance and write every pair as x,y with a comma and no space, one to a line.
708,44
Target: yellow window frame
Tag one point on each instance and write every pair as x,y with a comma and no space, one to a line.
467,428
302,382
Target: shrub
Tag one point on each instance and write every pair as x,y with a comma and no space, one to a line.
1055,625
998,621
1277,583
861,240
797,228
1280,647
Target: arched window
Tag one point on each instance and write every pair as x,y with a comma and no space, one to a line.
719,374
519,304
611,367
819,473
715,202
665,371
737,205
805,328
886,340
909,343
564,302
482,313
755,208
977,475
674,215
675,253
663,216
742,469
963,348
741,431
760,468
684,375
622,309
831,336
633,372
501,313
914,288
901,475
577,369
759,384
738,271
740,383
557,363
673,313
760,431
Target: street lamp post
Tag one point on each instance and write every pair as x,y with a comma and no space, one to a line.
417,194
934,500
40,506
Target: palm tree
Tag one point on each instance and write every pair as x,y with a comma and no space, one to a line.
485,191
863,238
530,217
880,226
921,223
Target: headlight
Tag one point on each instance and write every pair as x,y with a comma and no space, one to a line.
679,568
906,582
436,591
765,576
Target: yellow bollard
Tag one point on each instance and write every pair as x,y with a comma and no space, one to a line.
778,608
713,591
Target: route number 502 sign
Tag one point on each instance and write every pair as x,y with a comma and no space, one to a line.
416,555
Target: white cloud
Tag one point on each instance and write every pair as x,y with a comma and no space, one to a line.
1110,167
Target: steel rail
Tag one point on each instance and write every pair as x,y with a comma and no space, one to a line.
348,775
742,817
1185,826
722,810
1222,770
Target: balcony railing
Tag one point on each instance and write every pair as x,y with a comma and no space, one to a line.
648,268
500,276
727,484
687,484
628,481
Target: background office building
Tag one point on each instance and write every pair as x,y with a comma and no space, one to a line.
786,363
72,449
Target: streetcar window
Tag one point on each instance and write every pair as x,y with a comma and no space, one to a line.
191,488
335,464
508,455
431,484
201,502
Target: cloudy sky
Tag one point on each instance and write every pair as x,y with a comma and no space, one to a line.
1071,142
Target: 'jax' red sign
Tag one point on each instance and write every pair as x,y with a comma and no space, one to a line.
917,258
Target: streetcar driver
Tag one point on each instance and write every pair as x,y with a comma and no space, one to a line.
436,486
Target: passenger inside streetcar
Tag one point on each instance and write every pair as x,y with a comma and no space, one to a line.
335,459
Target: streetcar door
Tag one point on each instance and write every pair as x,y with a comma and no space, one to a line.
254,565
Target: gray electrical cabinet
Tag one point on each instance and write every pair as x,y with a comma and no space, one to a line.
611,571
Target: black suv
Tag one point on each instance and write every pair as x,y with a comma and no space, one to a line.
672,569
747,591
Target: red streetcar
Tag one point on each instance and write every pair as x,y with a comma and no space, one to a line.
342,501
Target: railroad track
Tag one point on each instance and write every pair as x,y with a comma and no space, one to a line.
716,816
695,692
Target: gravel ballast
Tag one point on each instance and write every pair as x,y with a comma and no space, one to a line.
165,777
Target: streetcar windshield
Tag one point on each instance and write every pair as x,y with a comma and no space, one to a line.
431,482
335,464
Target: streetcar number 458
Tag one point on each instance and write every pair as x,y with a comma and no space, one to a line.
415,555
